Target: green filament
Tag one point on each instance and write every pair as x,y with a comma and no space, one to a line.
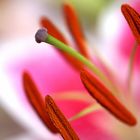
90,109
131,65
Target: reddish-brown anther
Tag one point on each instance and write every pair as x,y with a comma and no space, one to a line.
106,98
75,28
59,120
133,19
36,100
54,31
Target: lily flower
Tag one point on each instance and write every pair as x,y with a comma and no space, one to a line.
51,75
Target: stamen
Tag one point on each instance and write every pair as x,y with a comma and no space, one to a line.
133,19
59,120
106,99
35,99
53,30
60,45
82,97
74,96
90,109
75,28
131,65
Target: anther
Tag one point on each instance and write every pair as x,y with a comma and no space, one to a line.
59,120
75,29
102,95
133,19
36,100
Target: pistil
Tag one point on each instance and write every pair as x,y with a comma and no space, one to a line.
43,36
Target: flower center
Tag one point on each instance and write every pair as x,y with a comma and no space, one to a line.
92,84
43,36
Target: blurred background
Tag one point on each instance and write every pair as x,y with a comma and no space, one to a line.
19,20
